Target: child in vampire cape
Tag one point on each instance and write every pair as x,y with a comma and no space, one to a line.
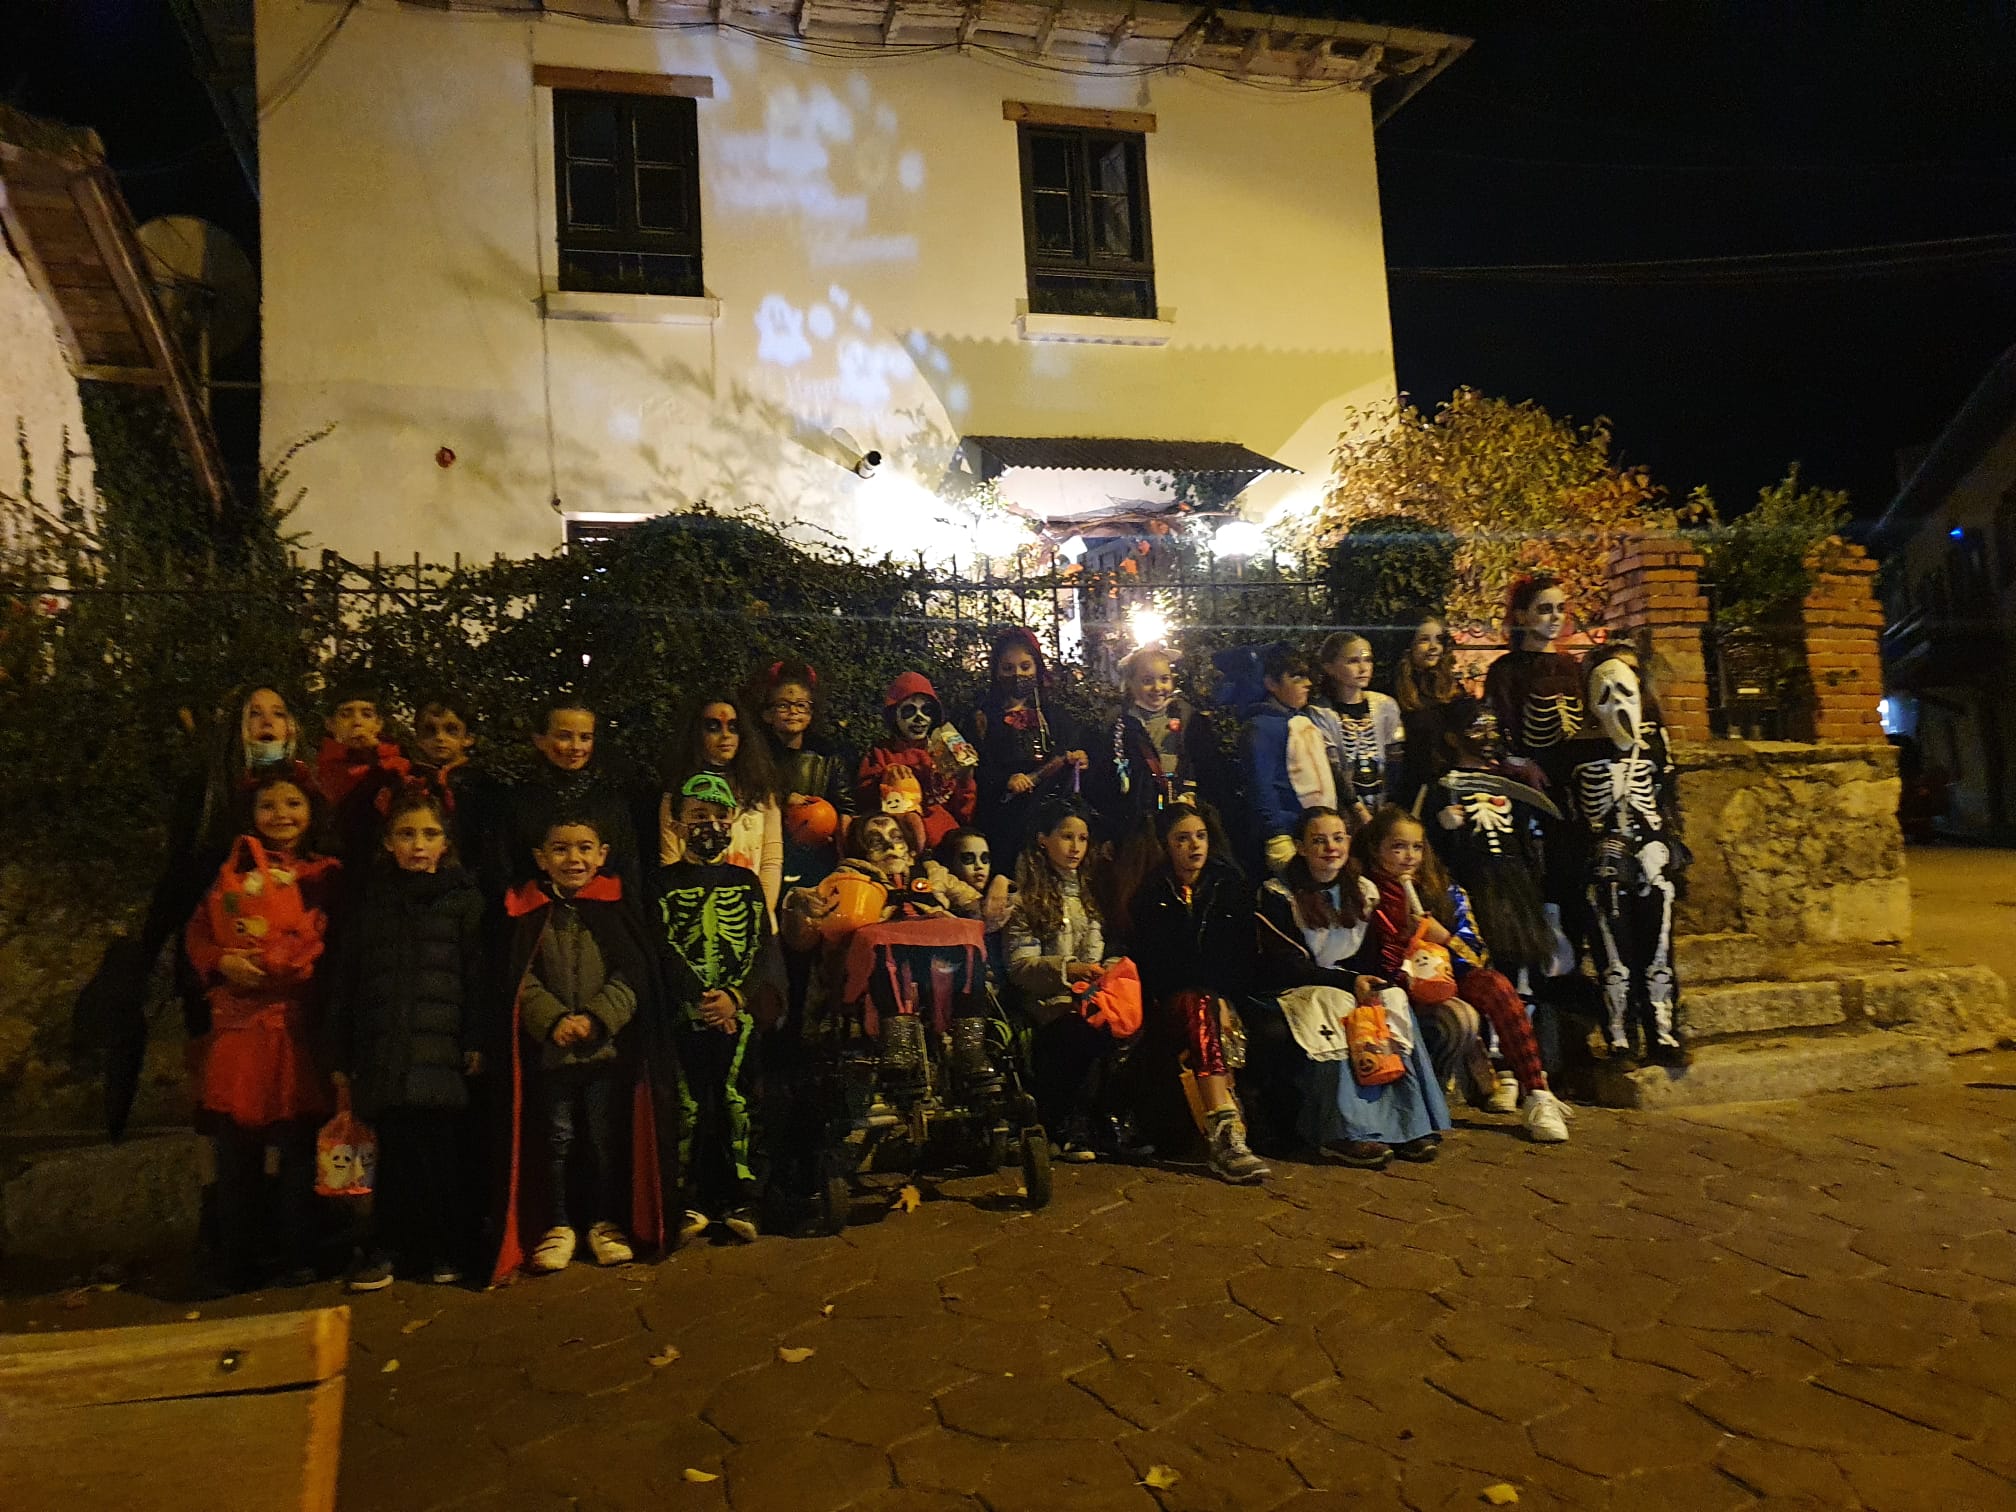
725,981
590,1075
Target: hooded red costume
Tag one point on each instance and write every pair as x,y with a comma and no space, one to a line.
947,801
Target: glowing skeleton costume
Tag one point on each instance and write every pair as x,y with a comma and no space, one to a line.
1623,799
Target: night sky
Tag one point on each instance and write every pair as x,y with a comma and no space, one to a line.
1572,133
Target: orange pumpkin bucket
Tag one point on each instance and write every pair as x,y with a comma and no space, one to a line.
857,900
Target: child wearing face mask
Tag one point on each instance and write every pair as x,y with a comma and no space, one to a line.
724,982
918,739
720,741
1057,942
1027,753
403,1030
256,943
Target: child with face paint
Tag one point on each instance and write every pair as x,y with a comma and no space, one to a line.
720,741
404,1029
1056,940
1362,731
256,944
944,788
1027,753
724,978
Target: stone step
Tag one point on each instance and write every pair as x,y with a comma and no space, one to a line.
1720,1010
1703,958
1966,1008
105,1203
1762,1070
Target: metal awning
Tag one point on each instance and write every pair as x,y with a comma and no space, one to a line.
993,455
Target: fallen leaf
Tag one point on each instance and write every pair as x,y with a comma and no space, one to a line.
908,1200
105,1286
699,1477
793,1356
826,1311
1160,1477
1501,1495
388,1367
414,1325
191,1317
664,1357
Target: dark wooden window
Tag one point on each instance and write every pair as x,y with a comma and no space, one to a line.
593,532
1085,222
2005,537
628,193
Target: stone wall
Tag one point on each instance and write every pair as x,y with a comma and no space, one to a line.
1795,844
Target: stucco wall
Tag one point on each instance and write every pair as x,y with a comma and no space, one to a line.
36,390
1796,844
862,225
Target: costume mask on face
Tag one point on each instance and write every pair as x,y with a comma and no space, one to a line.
260,753
707,839
1019,687
915,716
1484,735
1618,702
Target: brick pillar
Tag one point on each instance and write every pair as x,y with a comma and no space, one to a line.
1655,604
1844,626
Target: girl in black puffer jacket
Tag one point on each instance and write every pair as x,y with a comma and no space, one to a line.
404,1022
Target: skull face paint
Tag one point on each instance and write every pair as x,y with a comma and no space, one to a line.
1617,701
915,716
1484,735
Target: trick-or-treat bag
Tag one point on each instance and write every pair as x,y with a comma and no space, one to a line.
1375,1059
1112,1001
346,1153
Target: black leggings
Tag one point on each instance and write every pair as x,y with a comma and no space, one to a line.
420,1209
244,1233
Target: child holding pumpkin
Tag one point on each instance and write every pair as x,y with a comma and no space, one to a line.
256,943
813,775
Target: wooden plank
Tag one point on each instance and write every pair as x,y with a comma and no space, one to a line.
1117,38
1049,25
108,373
1037,113
224,1356
259,1453
614,81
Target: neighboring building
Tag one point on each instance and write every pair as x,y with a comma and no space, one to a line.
1949,596
548,274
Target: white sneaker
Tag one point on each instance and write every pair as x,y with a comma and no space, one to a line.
1546,1117
1504,1097
607,1244
555,1251
693,1225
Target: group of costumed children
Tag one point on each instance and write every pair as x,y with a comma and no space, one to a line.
555,1041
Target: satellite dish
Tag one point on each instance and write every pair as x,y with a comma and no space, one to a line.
205,283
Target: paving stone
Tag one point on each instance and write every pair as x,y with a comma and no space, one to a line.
1147,1393
806,1474
1048,1477
1625,1435
1938,1402
1183,1335
1519,1334
1907,1483
910,1499
937,1460
1679,1488
1286,1360
879,1418
1805,1417
1777,1472
1035,1346
779,1400
1214,1476
1833,1299
1282,1295
1251,1419
1011,1407
1506,1390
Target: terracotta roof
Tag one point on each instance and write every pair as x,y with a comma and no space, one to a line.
997,454
63,215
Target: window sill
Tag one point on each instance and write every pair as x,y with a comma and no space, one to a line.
634,309
1098,330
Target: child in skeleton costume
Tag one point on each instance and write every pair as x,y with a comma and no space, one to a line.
1361,729
968,858
724,984
938,758
1536,692
1025,751
1486,830
719,739
1624,797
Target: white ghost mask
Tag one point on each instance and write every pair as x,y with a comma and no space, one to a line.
1616,701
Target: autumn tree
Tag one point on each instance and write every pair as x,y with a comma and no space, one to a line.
1513,487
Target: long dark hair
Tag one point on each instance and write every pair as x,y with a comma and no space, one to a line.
1415,691
752,774
1520,599
1313,908
1039,903
1431,882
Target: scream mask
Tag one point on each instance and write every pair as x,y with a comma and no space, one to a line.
1616,700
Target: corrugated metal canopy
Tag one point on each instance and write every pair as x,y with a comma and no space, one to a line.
993,455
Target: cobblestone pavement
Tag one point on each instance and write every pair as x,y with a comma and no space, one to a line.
1771,1306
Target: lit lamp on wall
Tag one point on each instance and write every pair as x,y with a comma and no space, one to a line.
1149,626
1238,538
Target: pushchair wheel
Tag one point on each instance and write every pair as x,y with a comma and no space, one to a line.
836,1200
1000,1150
1036,1165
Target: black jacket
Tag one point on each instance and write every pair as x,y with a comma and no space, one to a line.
609,793
1127,798
410,989
1203,945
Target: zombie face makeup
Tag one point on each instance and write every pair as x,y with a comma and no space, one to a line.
884,847
1484,736
915,716
442,736
1616,699
1429,646
788,712
973,863
1542,621
1151,684
720,733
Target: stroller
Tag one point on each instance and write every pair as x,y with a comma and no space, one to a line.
891,1077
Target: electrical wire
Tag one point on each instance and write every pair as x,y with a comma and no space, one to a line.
297,73
1875,260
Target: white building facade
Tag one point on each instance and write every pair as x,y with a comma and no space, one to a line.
544,270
